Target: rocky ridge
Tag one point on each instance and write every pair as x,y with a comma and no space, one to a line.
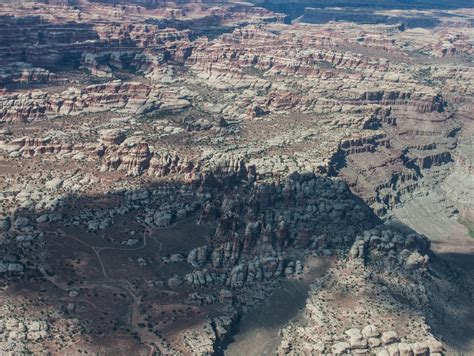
166,168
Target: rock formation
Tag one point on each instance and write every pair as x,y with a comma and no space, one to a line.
168,168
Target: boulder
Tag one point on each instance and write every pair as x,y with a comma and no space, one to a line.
162,219
340,348
435,346
54,184
22,221
389,337
5,223
405,349
370,331
420,349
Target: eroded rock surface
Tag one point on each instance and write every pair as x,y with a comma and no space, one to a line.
165,167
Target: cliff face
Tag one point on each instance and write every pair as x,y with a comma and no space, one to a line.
167,166
391,124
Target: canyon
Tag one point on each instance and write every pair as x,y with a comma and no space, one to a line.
201,177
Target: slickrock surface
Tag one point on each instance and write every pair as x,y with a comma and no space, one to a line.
169,169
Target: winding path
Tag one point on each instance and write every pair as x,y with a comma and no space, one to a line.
152,340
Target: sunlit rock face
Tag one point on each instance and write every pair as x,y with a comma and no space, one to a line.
195,177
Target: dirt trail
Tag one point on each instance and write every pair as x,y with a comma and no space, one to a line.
151,340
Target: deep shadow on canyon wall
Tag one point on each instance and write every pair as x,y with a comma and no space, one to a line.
64,257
